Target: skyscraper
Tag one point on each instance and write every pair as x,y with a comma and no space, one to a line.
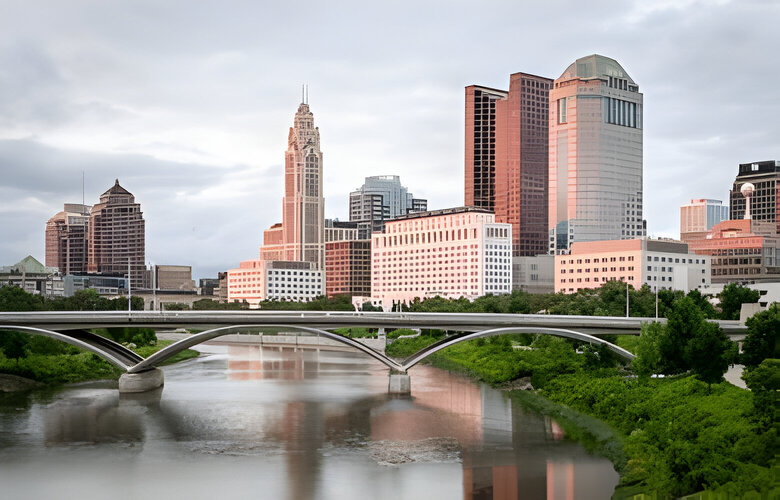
595,160
66,239
481,145
303,206
380,198
116,236
521,162
765,201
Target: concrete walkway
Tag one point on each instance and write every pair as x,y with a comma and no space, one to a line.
734,376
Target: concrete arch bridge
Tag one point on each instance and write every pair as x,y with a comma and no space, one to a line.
142,374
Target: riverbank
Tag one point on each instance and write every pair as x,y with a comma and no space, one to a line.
64,364
670,436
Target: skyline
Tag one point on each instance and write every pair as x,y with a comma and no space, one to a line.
194,127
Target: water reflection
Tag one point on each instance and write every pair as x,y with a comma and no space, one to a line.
292,423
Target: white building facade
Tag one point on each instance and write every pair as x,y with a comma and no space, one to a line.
453,253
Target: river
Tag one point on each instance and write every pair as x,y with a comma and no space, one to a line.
264,423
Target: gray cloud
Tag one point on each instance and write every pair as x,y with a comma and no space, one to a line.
189,102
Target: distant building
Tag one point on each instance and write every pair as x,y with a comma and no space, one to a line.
699,216
66,239
208,286
348,268
257,280
457,252
765,202
336,230
595,160
106,285
534,274
33,277
659,264
742,251
173,278
116,236
222,291
381,198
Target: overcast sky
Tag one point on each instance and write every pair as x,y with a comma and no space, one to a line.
189,103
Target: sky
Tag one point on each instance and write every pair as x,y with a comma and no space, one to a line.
189,103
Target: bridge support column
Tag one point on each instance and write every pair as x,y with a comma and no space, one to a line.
141,382
399,383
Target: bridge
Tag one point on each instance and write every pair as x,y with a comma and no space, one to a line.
142,374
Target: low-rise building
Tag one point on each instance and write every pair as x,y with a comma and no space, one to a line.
33,277
659,264
742,251
109,284
348,268
257,280
453,253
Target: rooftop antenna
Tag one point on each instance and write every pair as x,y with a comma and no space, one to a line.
303,94
82,190
307,93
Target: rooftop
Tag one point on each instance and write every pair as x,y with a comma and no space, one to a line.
595,66
443,211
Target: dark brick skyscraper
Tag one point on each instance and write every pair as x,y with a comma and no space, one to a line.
507,135
117,236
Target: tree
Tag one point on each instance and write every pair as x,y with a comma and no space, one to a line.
761,341
13,344
685,319
708,353
13,298
648,350
703,304
764,382
732,297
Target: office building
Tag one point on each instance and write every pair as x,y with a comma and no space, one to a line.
742,251
659,264
521,156
116,236
257,280
480,140
301,234
336,230
534,274
699,216
457,252
66,239
173,278
381,198
106,285
765,199
348,268
595,155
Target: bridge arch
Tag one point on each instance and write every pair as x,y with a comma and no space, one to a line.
113,352
198,338
558,332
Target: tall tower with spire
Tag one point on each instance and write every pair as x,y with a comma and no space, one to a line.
301,235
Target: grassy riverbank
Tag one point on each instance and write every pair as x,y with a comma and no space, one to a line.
51,362
670,437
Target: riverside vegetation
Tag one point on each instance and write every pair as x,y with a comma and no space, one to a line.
52,362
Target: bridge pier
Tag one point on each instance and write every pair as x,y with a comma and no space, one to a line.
141,382
399,383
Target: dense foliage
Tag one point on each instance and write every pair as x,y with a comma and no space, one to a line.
15,299
762,340
732,297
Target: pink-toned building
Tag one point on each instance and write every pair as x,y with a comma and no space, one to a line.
257,280
595,155
453,253
659,264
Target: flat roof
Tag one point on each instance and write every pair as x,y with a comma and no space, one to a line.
443,211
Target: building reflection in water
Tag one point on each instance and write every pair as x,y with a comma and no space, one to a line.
507,453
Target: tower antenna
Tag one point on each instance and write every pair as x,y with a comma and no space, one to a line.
82,190
307,93
303,98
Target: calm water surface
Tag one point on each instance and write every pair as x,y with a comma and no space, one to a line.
246,422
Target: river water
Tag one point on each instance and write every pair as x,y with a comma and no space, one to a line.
270,423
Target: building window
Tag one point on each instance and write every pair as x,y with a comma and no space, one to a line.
562,110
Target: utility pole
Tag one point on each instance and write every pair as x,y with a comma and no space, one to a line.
129,293
656,302
626,300
154,287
